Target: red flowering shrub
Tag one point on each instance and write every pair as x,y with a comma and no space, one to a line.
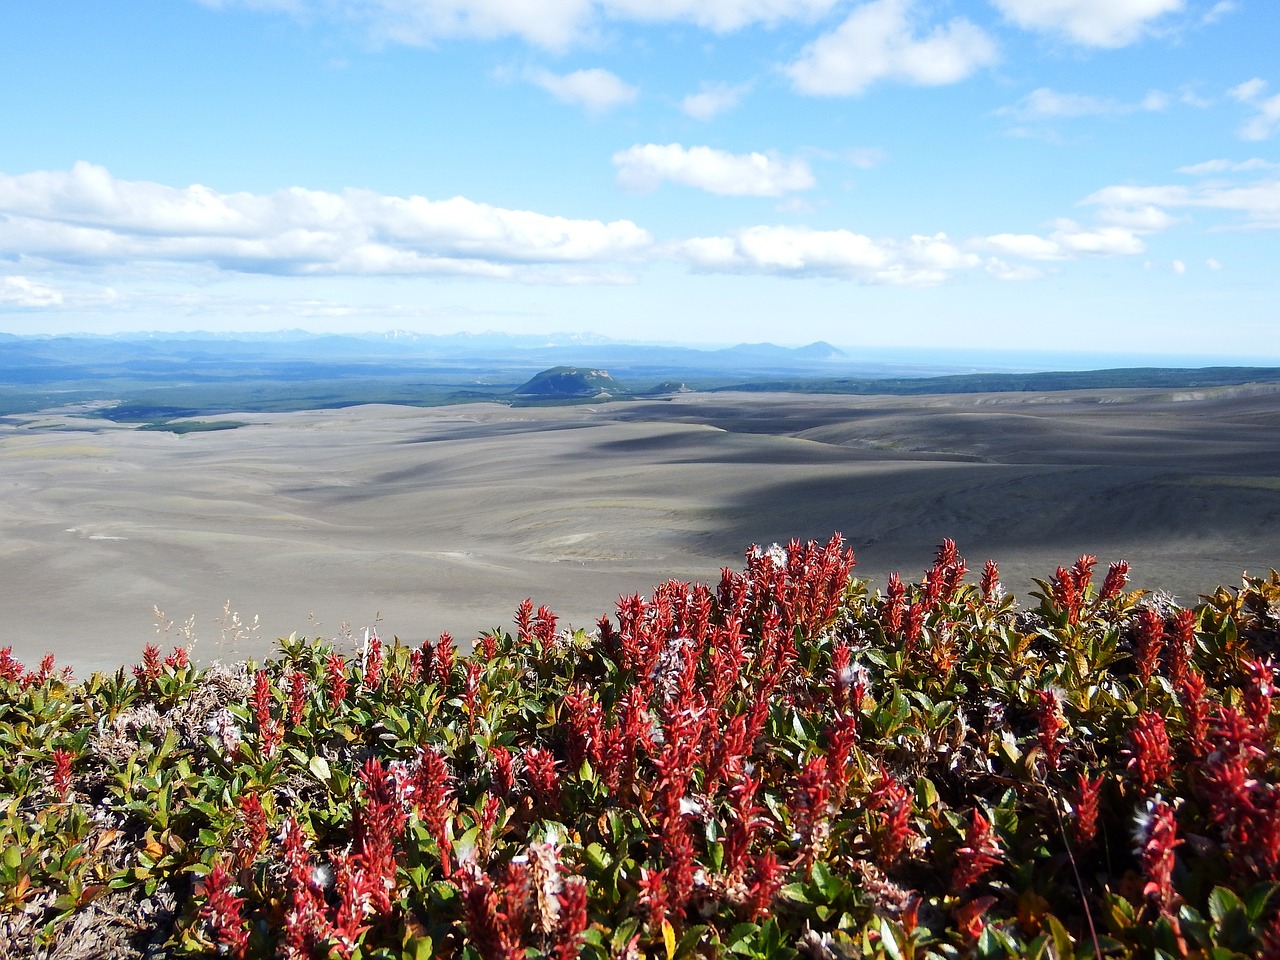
781,763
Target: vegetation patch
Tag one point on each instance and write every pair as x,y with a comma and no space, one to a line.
194,426
782,764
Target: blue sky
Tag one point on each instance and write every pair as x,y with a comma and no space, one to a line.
1020,174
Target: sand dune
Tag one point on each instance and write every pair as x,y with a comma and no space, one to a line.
445,518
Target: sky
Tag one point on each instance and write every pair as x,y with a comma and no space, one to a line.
1052,175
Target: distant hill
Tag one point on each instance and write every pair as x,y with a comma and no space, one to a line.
817,351
564,383
666,388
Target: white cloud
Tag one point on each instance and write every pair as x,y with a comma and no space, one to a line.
1219,10
1229,166
21,292
1266,118
1044,103
1179,267
551,24
1249,90
713,100
1213,263
879,41
842,254
87,216
596,90
1264,123
1002,270
1143,218
644,167
1069,241
1093,23
1258,202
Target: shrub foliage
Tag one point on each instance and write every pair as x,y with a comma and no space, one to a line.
782,764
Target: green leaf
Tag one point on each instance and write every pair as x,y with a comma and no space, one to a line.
319,768
1221,903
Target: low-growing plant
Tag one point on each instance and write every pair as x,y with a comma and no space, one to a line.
785,763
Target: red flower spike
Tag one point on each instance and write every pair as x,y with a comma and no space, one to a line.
1149,645
1195,710
573,918
249,842
540,768
504,776
1149,751
810,803
471,691
297,696
892,803
261,699
373,661
1257,696
1084,824
1082,573
1155,837
306,922
335,668
841,739
915,627
487,927
62,776
895,604
524,621
653,895
11,670
1049,715
992,591
743,827
1116,580
1065,595
970,917
150,668
981,852
544,630
379,822
765,884
223,912
446,655
1182,646
430,792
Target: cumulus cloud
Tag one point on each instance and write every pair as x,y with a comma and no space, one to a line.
1266,117
85,215
879,41
644,167
713,100
551,24
597,90
1093,23
843,254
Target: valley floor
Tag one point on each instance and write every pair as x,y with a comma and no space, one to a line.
422,520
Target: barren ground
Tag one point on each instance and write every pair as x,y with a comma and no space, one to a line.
445,518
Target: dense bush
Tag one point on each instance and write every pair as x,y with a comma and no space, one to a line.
783,764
